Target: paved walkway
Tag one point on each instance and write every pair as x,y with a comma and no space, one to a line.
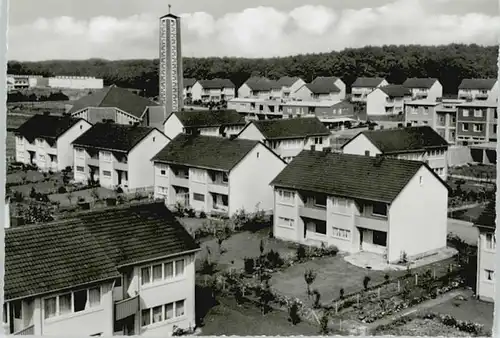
417,308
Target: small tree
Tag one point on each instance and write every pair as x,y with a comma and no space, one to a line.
342,293
366,280
33,193
323,324
95,194
386,278
309,277
69,196
301,252
222,233
293,313
317,298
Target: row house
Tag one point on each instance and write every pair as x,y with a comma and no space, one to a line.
289,85
424,88
322,88
117,155
214,90
477,122
387,100
260,87
288,137
255,108
479,89
216,175
117,271
45,141
119,105
385,206
486,252
223,123
333,114
420,143
364,86
188,84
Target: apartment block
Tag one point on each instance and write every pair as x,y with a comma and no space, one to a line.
117,155
424,88
223,123
364,86
387,100
477,122
479,89
45,140
386,206
322,88
411,143
486,251
118,271
214,90
288,137
216,175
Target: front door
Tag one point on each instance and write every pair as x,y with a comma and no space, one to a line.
361,232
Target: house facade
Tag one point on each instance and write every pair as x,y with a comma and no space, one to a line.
322,88
98,282
289,85
215,175
476,122
364,86
424,88
214,90
288,137
387,100
222,123
188,87
409,143
255,108
479,89
117,156
360,203
45,140
260,87
486,251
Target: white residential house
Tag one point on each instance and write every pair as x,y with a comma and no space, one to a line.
486,252
117,271
424,88
322,88
364,86
289,85
361,203
479,89
188,87
421,143
288,137
260,87
387,100
45,140
117,155
214,90
216,175
223,123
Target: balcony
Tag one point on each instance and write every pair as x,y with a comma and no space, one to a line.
123,166
372,223
181,180
27,331
481,96
93,161
126,308
313,212
465,96
389,103
51,150
421,95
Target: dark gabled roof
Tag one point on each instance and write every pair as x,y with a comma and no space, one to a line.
48,127
113,136
353,176
487,219
188,82
262,84
485,84
367,82
207,152
89,247
210,118
216,84
287,81
115,97
169,15
419,82
399,140
394,90
300,127
323,85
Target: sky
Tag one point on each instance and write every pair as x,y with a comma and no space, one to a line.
128,29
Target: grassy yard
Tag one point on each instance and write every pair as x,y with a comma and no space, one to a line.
86,194
469,215
422,328
478,171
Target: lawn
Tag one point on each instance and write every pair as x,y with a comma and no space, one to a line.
422,327
478,171
469,215
86,194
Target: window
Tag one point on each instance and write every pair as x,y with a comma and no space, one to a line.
20,140
17,309
157,314
79,300
179,308
478,113
146,275
106,155
494,129
179,267
420,180
491,241
320,200
478,127
169,311
341,204
106,173
50,307
80,153
65,303
225,200
320,227
199,197
157,272
169,270
162,313
225,178
198,175
318,140
465,127
162,190
453,119
94,297
5,320
80,169
163,170
379,238
287,197
146,317
465,112
489,275
341,233
286,222
379,209
367,153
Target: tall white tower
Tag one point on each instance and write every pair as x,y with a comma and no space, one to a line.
171,86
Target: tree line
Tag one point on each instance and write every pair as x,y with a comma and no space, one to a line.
449,63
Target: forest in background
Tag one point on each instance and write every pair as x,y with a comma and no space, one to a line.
449,63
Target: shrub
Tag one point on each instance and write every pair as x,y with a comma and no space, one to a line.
386,278
301,253
323,324
249,265
190,212
273,260
207,267
342,293
121,199
203,214
317,298
293,313
366,280
81,199
61,190
119,190
18,196
309,277
33,193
